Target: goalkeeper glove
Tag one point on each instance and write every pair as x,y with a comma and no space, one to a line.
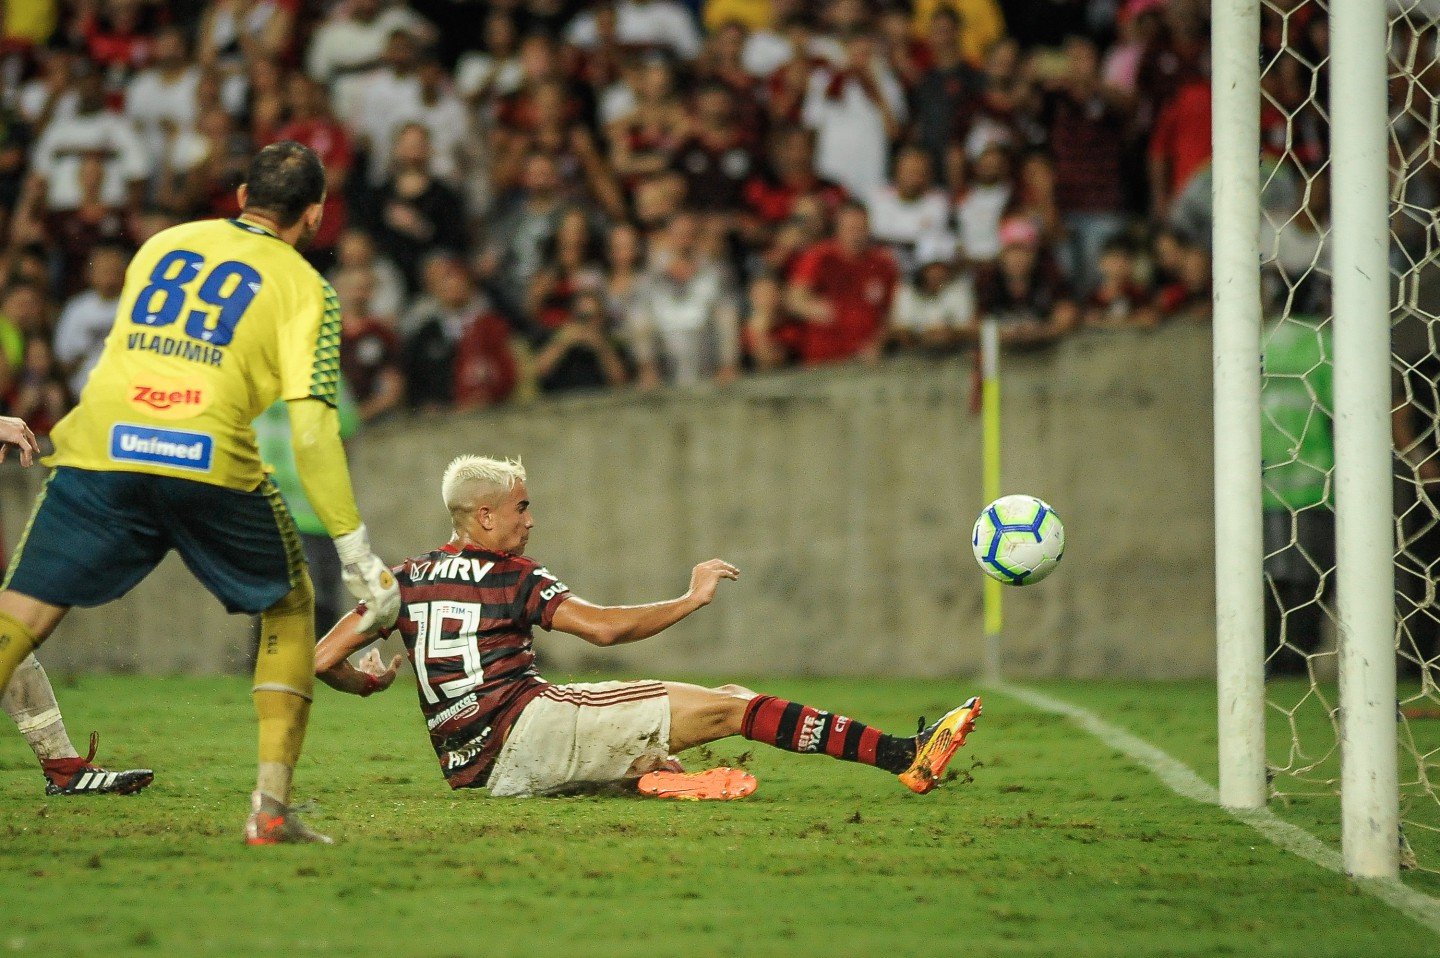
368,580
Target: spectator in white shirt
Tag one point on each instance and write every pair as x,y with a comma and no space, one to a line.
354,37
482,76
353,42
767,49
412,87
936,308
855,111
900,214
233,30
372,103
51,94
356,251
642,23
88,316
443,113
982,203
93,132
161,100
684,326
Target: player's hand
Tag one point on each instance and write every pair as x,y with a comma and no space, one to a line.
372,664
14,432
368,580
706,576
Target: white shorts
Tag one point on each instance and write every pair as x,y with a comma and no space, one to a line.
575,736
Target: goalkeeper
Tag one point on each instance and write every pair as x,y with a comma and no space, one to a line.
218,319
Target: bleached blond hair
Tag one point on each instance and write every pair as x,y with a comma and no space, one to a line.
472,481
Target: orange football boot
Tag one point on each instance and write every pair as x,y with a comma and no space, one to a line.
936,744
272,823
712,785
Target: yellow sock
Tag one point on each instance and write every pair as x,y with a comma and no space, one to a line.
283,719
284,682
16,642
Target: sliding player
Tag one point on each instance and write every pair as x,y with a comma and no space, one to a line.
468,612
217,320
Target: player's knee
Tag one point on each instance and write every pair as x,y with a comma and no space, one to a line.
300,600
285,660
735,691
726,708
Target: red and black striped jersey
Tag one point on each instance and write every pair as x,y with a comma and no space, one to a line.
466,617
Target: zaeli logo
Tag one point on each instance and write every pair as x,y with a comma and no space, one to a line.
169,398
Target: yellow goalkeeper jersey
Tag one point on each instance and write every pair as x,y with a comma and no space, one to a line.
217,320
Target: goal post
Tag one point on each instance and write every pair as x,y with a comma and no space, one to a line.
1303,278
1364,498
1239,602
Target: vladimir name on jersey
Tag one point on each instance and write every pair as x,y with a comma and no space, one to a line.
170,346
467,618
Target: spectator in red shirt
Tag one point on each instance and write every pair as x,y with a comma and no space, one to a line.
1118,299
642,139
715,155
485,370
787,84
1188,296
369,348
218,158
1179,144
841,289
789,176
573,265
1088,122
1025,293
909,57
722,61
459,354
312,124
118,33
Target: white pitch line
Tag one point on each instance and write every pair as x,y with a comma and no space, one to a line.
1183,781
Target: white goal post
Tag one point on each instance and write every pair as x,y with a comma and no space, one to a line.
1364,500
1360,244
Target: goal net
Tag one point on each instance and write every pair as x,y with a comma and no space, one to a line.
1298,518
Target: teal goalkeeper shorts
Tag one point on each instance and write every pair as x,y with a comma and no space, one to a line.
94,535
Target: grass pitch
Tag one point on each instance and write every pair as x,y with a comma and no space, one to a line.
1047,843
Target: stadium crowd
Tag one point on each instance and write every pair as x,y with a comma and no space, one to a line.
539,196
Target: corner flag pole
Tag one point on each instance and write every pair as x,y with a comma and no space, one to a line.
990,483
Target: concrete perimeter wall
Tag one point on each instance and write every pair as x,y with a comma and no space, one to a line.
846,497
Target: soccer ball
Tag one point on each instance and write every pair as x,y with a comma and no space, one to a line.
1018,540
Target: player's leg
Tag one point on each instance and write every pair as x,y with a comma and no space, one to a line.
25,622
284,687
30,702
79,548
245,549
699,715
28,698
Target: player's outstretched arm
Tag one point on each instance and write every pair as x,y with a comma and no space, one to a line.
320,459
14,432
616,624
332,664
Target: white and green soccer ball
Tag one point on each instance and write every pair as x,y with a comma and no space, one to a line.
1018,540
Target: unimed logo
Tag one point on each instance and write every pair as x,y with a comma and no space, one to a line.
175,448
